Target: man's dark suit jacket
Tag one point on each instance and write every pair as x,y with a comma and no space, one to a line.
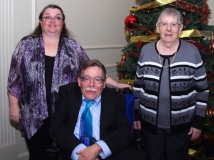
114,126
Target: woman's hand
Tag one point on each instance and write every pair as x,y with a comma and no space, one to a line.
137,125
113,84
195,133
14,112
124,85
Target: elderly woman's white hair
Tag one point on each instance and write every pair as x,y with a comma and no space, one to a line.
171,12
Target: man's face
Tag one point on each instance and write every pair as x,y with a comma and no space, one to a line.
89,84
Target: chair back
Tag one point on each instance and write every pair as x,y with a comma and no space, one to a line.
130,98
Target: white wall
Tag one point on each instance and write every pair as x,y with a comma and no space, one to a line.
96,24
211,6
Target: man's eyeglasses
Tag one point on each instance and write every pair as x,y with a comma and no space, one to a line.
172,25
96,80
49,18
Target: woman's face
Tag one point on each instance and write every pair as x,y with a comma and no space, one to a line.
52,21
169,28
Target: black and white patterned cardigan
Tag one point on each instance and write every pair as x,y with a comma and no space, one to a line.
188,88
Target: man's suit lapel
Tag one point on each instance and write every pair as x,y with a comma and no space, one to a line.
105,109
75,103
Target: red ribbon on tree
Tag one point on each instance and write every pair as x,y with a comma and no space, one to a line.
194,8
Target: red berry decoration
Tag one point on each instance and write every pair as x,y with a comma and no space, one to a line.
129,22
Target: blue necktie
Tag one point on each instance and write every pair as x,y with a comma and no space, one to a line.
86,124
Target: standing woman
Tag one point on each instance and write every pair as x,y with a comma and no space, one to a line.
172,91
41,63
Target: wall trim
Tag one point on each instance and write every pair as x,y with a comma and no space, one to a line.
111,68
94,47
23,155
7,134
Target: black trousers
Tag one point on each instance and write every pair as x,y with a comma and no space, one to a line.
132,152
40,142
165,146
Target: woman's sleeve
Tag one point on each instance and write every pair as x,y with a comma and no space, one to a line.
201,86
14,76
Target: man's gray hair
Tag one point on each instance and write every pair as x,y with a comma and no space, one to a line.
92,63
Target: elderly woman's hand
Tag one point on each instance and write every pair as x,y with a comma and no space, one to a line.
124,85
137,125
113,84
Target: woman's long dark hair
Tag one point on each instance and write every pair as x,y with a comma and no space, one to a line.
38,30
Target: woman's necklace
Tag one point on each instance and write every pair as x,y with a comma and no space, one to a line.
170,62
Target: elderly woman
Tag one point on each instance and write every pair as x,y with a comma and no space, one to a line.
41,63
171,90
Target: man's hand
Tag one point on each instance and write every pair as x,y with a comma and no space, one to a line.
195,133
137,125
90,153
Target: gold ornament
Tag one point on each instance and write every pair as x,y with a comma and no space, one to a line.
194,153
156,31
127,81
127,36
151,38
155,4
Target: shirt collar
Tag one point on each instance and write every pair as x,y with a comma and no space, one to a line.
97,100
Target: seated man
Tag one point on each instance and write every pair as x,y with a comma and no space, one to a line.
99,131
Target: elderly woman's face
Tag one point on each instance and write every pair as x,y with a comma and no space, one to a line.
169,28
52,21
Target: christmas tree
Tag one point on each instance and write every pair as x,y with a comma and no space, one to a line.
140,29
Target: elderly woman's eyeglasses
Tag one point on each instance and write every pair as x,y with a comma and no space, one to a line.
172,25
49,18
96,80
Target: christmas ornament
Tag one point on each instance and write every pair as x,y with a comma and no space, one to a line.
186,21
127,81
156,31
119,65
121,76
123,59
128,54
127,36
129,22
210,110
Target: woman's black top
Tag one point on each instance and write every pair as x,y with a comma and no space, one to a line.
49,64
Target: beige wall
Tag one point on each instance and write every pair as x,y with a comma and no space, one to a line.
97,25
211,5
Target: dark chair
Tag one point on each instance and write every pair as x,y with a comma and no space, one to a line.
53,152
130,98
